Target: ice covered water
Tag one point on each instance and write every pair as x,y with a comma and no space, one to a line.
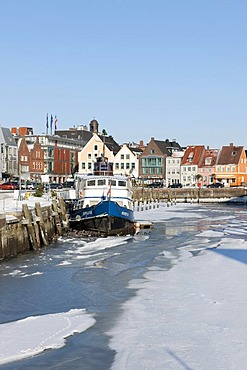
172,299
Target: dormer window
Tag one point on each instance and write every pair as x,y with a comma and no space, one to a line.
151,151
234,152
190,157
208,160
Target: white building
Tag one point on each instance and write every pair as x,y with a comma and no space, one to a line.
126,161
173,168
94,148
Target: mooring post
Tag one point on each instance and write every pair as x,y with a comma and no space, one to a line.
40,221
56,217
30,230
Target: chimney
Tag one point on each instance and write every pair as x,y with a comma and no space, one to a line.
141,142
231,144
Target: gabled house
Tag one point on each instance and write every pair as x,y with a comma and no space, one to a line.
31,161
152,162
97,146
207,169
126,161
37,163
24,159
9,154
173,168
191,162
231,166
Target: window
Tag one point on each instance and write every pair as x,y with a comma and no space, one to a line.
116,166
91,183
152,172
122,166
133,166
151,151
101,182
95,147
89,166
83,166
121,183
122,156
190,157
127,166
89,156
208,160
127,156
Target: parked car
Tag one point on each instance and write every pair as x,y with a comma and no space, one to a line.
55,186
9,185
175,185
69,184
29,185
155,185
216,185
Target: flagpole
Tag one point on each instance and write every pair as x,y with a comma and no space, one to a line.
47,124
51,123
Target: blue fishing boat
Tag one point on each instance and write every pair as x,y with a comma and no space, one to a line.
104,202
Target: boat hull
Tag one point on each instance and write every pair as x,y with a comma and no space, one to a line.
105,218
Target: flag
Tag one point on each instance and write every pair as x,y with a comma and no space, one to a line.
55,122
51,121
109,191
47,123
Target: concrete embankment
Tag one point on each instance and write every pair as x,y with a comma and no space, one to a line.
199,195
31,228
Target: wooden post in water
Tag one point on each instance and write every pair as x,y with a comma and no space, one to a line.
30,230
56,217
36,228
41,223
3,236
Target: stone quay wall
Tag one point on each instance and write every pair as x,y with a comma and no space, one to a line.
30,229
200,195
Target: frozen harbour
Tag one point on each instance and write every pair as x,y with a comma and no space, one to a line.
186,308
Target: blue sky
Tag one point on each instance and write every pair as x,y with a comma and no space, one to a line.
142,68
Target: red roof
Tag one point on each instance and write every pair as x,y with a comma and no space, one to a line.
193,155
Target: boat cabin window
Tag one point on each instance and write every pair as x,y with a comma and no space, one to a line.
91,183
121,183
102,182
112,182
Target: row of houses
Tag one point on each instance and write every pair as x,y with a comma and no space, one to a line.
59,156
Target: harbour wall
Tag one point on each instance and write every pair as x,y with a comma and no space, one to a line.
199,195
31,228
